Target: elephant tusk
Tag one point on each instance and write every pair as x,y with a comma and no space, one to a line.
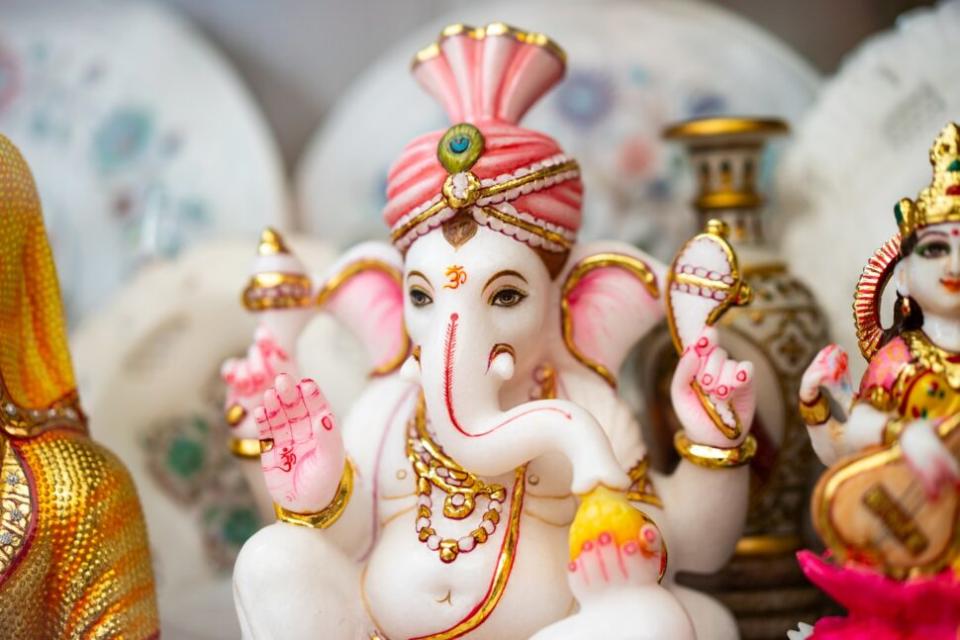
501,361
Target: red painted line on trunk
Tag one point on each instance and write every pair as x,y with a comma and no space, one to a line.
450,344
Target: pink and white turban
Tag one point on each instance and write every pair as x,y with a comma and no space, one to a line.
511,179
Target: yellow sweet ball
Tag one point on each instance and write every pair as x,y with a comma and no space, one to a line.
606,511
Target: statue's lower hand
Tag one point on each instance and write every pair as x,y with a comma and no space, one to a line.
725,385
829,370
928,457
302,454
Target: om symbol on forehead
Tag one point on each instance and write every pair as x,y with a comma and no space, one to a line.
456,275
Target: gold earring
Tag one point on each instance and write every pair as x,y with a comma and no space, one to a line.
905,307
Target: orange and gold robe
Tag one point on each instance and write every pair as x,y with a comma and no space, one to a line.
74,561
74,558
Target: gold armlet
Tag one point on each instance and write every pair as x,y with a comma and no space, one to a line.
815,413
247,448
715,457
893,429
331,513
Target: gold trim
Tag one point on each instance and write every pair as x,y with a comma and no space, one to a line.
329,514
715,457
730,432
247,448
506,218
333,284
513,183
298,288
630,264
21,421
234,414
763,270
768,545
271,243
641,487
816,413
491,30
728,200
494,189
505,562
470,194
725,126
740,292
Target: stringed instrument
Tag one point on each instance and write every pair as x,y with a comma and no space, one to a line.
872,508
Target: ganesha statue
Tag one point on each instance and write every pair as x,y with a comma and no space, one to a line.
489,482
74,559
888,507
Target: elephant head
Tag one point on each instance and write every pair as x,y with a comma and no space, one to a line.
483,218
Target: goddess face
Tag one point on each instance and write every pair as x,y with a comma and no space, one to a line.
931,273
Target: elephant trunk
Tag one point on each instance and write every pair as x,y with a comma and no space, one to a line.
461,381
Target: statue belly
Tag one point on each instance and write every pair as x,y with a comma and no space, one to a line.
409,592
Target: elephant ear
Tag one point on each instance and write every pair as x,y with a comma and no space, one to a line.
610,298
363,291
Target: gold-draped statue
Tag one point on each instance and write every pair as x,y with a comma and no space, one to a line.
74,559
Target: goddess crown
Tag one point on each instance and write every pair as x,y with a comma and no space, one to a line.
940,201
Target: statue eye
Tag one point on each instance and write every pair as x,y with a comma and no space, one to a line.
507,297
933,249
419,297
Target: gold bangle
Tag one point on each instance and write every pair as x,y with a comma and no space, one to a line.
815,413
329,514
246,448
715,457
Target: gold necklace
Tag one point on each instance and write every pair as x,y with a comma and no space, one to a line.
930,356
435,469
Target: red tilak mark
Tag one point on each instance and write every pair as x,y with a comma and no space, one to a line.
449,346
722,391
327,422
572,567
630,548
707,378
742,376
650,535
605,538
954,232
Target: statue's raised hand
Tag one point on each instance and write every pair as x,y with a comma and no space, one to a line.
302,453
829,370
247,378
713,394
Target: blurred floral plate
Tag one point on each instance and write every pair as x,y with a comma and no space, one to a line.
633,68
861,148
141,137
148,367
